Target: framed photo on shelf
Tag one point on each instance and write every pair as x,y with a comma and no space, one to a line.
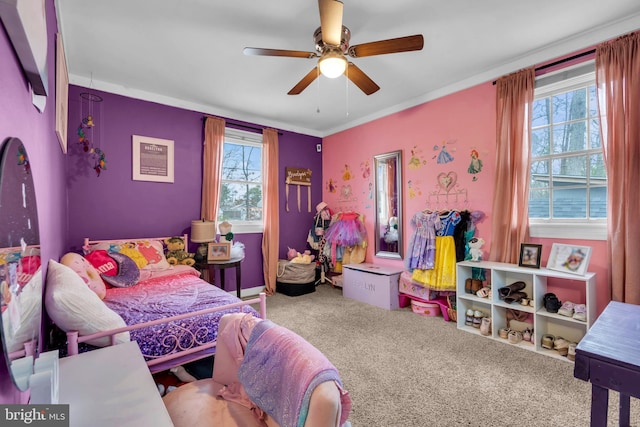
152,159
571,259
530,255
219,251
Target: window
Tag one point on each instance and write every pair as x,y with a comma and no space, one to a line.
568,183
241,184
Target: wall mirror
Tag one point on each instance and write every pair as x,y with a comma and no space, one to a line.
388,204
20,272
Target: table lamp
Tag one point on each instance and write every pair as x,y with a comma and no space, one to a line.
202,232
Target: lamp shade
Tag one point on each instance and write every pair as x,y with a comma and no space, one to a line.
203,231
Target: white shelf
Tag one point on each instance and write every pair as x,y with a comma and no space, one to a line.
502,274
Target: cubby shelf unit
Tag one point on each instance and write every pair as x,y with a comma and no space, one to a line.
503,274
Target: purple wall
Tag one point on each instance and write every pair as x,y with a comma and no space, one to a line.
73,202
114,206
19,118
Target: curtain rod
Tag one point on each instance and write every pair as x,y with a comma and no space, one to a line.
562,61
240,125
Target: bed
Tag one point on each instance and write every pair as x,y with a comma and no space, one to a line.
168,310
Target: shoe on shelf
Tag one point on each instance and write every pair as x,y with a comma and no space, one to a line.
566,309
551,303
505,291
467,285
571,352
515,297
484,292
580,312
526,335
485,326
476,285
561,346
514,337
547,341
477,318
468,320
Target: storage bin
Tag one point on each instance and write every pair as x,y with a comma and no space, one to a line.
371,283
425,308
295,279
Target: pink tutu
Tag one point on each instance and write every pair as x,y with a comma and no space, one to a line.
347,230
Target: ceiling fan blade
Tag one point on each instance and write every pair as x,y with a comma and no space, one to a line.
331,21
400,44
360,79
306,81
278,52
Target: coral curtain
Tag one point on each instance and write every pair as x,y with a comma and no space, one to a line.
510,225
270,212
618,88
212,167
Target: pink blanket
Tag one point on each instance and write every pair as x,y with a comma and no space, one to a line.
280,370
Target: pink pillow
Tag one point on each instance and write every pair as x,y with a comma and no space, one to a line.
101,260
86,271
29,265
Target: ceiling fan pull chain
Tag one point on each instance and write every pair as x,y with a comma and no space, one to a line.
318,86
346,84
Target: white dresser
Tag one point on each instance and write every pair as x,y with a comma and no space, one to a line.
111,387
371,283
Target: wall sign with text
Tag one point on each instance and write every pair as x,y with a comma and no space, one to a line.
152,159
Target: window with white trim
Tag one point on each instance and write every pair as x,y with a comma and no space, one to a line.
568,183
241,184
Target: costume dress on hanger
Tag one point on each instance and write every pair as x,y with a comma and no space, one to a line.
443,276
422,246
347,230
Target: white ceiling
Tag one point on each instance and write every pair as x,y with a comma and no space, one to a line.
188,53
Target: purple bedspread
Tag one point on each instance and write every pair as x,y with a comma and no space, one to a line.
169,296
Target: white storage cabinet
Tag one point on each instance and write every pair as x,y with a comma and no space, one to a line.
503,274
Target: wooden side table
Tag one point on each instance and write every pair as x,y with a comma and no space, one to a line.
608,357
222,266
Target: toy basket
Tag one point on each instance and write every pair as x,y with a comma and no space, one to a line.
451,310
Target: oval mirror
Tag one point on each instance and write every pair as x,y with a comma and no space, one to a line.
388,204
20,272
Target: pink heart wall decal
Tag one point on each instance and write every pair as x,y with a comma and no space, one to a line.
447,181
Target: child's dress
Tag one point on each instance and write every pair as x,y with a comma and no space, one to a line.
422,247
442,277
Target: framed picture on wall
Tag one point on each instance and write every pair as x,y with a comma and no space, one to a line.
152,159
572,259
62,94
530,255
219,251
26,25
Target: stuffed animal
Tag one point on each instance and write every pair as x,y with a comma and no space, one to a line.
176,253
475,245
391,235
305,258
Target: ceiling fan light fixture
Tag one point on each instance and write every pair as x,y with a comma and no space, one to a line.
332,63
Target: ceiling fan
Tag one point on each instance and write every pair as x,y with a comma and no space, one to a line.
332,47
